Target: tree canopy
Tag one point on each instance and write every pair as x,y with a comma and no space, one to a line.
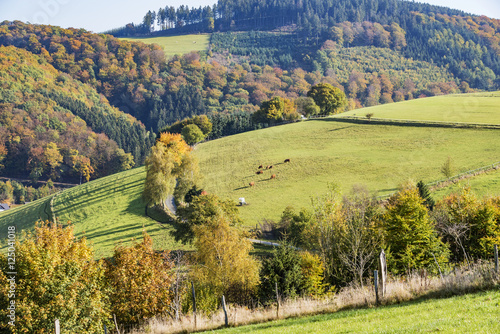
329,99
168,162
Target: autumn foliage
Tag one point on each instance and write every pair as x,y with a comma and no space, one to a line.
139,279
57,278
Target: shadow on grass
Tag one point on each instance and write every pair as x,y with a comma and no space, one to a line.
114,233
351,312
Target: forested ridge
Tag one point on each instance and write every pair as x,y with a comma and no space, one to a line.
467,45
41,137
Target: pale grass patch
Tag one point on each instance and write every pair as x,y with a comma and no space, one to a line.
417,285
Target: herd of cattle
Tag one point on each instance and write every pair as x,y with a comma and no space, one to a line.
261,171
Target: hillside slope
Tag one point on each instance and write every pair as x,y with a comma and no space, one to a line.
107,211
54,126
321,151
465,108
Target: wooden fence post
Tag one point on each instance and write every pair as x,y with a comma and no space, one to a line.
439,267
194,303
277,301
375,279
226,321
116,324
57,327
383,272
495,250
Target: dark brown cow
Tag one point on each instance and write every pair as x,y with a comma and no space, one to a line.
287,160
259,172
269,167
260,167
251,184
273,176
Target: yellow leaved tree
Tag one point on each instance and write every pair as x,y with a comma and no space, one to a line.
56,277
169,163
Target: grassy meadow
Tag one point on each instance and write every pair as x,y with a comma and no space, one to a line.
464,108
487,184
324,151
473,313
107,211
24,216
177,44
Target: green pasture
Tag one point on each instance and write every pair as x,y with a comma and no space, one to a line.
23,217
107,211
322,151
381,157
177,44
473,313
487,184
465,108
111,210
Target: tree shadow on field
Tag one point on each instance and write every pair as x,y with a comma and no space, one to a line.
338,129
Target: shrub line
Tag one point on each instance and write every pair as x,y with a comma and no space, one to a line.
417,123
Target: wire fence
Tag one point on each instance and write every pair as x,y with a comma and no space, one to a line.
408,122
471,172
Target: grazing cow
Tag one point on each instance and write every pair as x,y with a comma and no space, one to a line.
259,172
287,160
273,176
251,184
203,193
269,167
260,167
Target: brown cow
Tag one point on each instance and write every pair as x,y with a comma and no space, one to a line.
273,176
269,167
251,184
287,160
259,172
260,167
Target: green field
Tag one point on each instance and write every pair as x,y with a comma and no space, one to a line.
466,108
382,157
106,211
474,313
322,151
487,184
177,44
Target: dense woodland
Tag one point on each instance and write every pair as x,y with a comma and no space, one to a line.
42,137
467,45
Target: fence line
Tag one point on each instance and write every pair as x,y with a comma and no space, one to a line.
408,122
471,172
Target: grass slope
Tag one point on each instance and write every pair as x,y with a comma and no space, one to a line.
466,108
177,44
24,216
474,313
381,157
321,151
107,211
487,184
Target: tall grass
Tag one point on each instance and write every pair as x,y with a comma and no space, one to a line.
415,286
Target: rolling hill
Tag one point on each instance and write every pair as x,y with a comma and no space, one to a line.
107,211
464,108
322,151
